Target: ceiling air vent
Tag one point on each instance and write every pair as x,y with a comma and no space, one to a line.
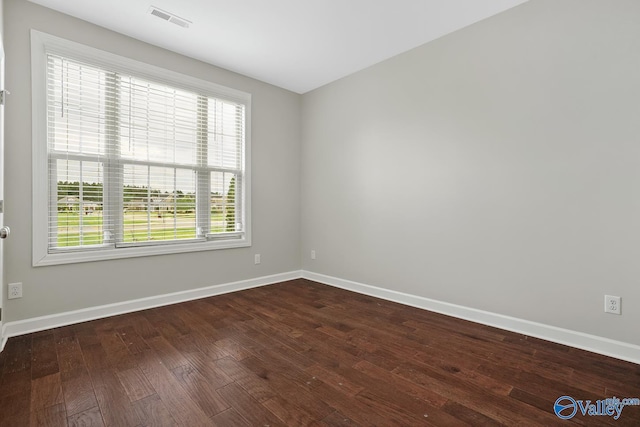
163,14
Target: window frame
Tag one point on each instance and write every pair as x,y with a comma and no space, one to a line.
43,44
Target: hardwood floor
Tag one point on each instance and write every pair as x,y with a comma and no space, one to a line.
299,353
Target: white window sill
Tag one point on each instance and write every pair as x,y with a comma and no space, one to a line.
110,253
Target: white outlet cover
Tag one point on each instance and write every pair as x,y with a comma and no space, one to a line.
612,304
14,291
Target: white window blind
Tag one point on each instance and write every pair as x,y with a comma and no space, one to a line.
135,162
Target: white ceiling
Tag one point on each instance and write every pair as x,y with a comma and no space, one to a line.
295,44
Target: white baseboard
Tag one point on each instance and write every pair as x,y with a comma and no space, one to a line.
593,343
27,326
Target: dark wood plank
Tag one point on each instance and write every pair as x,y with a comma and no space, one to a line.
90,418
153,412
135,384
110,394
18,355
230,418
230,348
174,397
469,416
15,383
46,391
79,394
70,358
335,380
15,408
141,325
256,387
248,407
170,357
207,367
44,359
355,409
289,413
200,390
118,354
51,416
336,419
86,333
77,388
291,384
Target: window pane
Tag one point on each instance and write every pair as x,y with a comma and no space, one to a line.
225,134
224,213
159,204
157,123
76,101
77,215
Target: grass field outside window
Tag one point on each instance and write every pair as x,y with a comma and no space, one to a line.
138,225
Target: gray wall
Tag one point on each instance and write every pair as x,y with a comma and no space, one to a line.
496,168
275,188
1,16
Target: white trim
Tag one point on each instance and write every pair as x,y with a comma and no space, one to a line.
40,184
592,343
27,326
87,255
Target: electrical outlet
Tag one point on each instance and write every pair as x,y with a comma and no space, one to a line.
313,254
256,258
612,304
15,290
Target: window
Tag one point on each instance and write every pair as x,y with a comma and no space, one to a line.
138,160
